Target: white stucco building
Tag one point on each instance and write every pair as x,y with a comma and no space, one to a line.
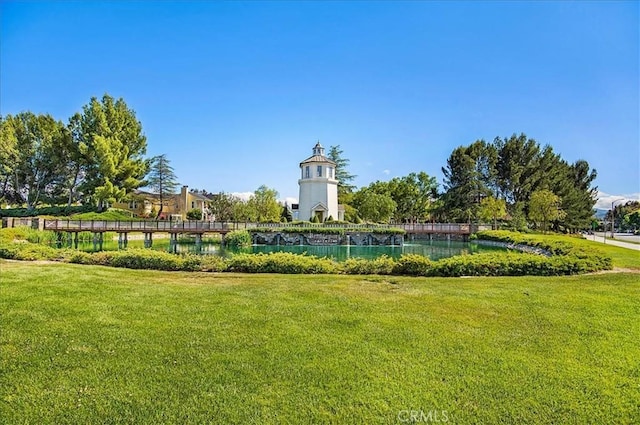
318,187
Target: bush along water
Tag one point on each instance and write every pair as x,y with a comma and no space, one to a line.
238,239
565,258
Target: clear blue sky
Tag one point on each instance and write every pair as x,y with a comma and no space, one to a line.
236,94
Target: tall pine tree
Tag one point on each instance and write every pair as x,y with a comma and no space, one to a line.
110,142
162,178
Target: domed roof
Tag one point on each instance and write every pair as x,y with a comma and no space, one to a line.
318,156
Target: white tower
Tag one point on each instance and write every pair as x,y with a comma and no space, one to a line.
318,187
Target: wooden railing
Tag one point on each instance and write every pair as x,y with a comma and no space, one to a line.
224,227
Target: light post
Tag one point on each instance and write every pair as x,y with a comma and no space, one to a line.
613,218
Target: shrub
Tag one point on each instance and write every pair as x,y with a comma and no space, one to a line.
81,257
381,265
10,234
281,262
30,252
113,214
567,255
102,258
194,214
212,263
413,265
237,239
145,259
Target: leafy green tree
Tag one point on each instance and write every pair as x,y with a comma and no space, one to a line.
265,204
109,139
162,179
194,214
8,160
35,149
620,211
518,219
244,211
374,206
345,179
76,163
544,207
493,209
413,195
632,220
223,206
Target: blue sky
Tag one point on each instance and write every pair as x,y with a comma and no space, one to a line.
237,93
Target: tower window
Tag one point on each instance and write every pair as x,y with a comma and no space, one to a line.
319,170
306,172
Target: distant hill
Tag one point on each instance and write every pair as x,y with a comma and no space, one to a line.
600,212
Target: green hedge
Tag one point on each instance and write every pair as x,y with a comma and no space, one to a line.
556,248
322,230
413,265
380,265
54,211
238,239
281,262
301,229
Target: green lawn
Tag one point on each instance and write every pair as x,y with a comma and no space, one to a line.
89,344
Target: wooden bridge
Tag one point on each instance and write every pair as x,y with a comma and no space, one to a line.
200,227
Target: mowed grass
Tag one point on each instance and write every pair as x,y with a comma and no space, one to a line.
89,344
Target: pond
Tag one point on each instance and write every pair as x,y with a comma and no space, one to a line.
432,249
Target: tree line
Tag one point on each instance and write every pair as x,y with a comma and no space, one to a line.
512,180
98,157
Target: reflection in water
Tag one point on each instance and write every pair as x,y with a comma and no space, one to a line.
432,249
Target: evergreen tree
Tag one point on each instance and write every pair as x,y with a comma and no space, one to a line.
343,176
286,216
513,169
110,142
469,178
162,179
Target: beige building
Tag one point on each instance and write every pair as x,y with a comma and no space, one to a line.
146,204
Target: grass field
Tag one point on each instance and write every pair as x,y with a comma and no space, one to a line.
89,344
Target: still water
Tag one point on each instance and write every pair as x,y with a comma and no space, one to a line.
432,249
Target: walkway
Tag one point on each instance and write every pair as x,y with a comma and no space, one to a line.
615,242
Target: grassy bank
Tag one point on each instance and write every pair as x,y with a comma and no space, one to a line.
90,344
622,257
